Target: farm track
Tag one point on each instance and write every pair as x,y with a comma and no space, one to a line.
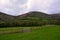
19,30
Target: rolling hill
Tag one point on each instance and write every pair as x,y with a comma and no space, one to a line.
33,17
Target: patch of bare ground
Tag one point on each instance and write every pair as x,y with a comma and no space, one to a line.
19,31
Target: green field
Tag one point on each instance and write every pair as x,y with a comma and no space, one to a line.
48,32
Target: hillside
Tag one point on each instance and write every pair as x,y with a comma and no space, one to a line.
56,16
34,18
33,15
5,17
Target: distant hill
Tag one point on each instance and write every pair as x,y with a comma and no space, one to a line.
6,17
56,16
30,18
33,15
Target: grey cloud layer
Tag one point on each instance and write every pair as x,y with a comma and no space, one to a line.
16,7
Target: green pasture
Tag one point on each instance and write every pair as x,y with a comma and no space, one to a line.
47,32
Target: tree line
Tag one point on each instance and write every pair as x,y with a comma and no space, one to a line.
27,23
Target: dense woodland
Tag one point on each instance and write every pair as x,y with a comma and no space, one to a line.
29,19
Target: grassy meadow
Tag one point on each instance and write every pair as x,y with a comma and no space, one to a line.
47,32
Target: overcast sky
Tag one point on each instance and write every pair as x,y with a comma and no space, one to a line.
17,7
